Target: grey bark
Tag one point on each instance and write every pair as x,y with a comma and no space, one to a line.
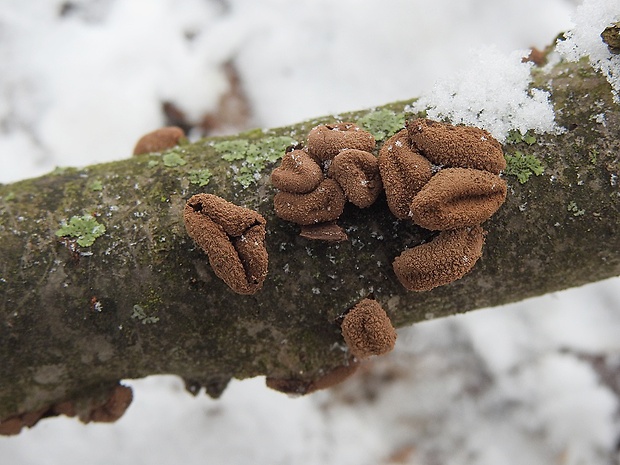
142,299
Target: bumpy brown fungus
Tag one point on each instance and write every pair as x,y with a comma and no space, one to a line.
326,141
456,146
329,231
159,140
325,203
298,173
457,198
404,171
448,257
233,238
367,330
357,172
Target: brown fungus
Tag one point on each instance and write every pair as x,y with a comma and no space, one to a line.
404,171
329,231
159,140
448,257
298,173
301,387
367,330
357,172
457,198
325,203
113,408
327,140
456,146
233,238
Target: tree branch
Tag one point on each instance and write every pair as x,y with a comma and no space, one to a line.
142,299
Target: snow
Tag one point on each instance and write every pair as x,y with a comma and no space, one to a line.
584,39
526,383
492,92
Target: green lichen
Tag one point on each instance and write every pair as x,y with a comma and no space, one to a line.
96,185
173,159
575,210
593,156
85,228
522,166
153,163
10,196
200,177
515,137
254,156
382,123
139,314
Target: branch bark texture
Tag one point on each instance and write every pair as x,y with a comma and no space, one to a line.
79,312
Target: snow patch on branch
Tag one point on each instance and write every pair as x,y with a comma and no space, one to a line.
584,39
493,92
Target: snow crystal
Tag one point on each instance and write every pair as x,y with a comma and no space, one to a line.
584,39
491,92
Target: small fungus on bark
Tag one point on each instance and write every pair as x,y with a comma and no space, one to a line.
457,198
301,387
357,172
367,330
325,203
233,238
327,140
448,257
159,140
298,173
329,231
456,146
404,172
107,409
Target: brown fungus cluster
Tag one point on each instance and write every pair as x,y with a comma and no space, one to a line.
367,330
315,182
233,238
443,178
103,409
159,140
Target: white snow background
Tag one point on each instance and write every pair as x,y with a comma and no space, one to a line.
531,383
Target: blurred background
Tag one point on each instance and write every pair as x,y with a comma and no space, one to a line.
531,383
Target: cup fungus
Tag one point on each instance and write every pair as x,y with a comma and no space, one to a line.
329,231
298,173
326,141
233,238
325,203
301,387
456,146
448,257
457,198
404,172
108,409
159,140
367,330
357,172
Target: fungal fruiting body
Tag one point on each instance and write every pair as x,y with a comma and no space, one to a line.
326,380
107,408
456,146
325,203
233,238
357,172
315,182
298,173
443,178
327,140
457,198
404,172
367,330
446,258
159,140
